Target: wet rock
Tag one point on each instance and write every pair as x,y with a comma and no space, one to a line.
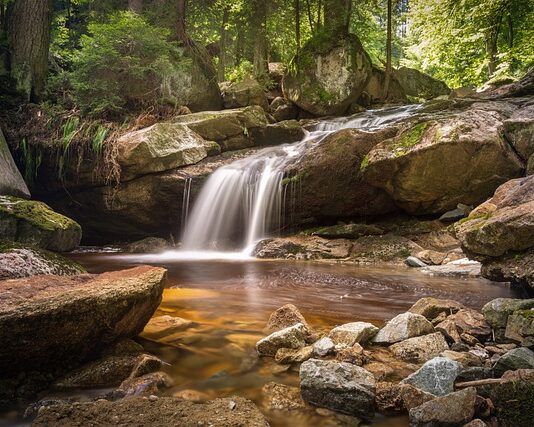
431,257
284,317
354,354
17,261
348,231
245,93
11,181
143,385
461,267
302,247
138,412
285,132
393,398
517,268
431,307
466,359
282,397
412,261
162,326
147,245
289,355
420,349
282,109
518,358
513,403
353,333
192,395
339,386
421,85
436,376
292,337
35,223
323,347
402,327
454,409
471,322
53,321
520,327
496,312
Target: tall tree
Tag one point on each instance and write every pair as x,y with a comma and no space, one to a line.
297,24
337,16
135,5
180,29
223,42
29,42
389,39
259,26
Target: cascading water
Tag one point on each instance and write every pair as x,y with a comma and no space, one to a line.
242,202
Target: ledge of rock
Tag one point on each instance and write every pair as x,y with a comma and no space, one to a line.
51,321
11,181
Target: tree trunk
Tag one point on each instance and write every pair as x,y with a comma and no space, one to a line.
297,24
310,18
389,38
510,31
223,41
135,6
259,23
29,40
337,16
180,28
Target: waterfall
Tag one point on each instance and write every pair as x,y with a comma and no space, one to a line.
243,202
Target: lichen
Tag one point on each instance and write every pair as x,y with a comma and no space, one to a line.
409,138
365,163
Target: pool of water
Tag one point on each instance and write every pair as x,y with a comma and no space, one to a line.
230,302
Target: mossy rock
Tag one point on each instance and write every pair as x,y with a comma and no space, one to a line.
514,403
33,222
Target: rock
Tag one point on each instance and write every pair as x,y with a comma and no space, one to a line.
331,71
158,148
393,398
402,327
436,376
450,330
379,249
431,307
459,268
302,247
11,181
519,375
496,312
412,261
455,409
374,91
518,358
282,109
287,356
461,211
292,337
466,359
143,385
17,261
339,386
474,373
431,257
285,132
519,130
164,326
282,397
54,321
147,245
231,129
517,268
471,322
420,349
471,139
513,403
192,395
245,93
354,354
284,317
35,223
138,412
353,333
418,84
348,231
520,327
323,347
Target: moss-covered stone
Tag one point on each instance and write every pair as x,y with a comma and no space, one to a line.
33,222
513,403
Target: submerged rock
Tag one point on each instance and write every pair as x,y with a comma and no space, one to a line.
282,397
147,245
53,321
436,376
402,327
292,337
420,349
339,386
162,326
289,355
353,333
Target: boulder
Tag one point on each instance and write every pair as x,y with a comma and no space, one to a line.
479,160
339,386
147,245
402,327
471,322
323,347
282,109
158,412
35,223
292,337
374,91
436,376
496,312
330,72
282,397
420,349
465,358
285,132
454,409
518,358
393,398
353,333
420,85
450,330
11,181
415,262
302,247
520,327
348,231
286,356
17,261
284,317
54,321
519,130
432,307
158,148
517,268
354,354
513,403
245,93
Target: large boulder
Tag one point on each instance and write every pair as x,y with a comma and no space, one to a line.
517,358
410,166
35,223
329,73
401,327
436,376
52,321
158,148
420,349
302,247
18,261
11,181
339,386
420,85
497,311
374,91
519,130
245,93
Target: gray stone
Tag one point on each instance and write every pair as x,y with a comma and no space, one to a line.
520,327
496,312
412,261
339,386
432,307
292,337
454,409
402,327
289,355
518,358
323,347
11,181
420,349
352,333
436,376
474,373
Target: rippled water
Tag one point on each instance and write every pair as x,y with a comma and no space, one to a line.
230,301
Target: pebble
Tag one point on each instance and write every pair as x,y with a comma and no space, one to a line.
232,405
152,397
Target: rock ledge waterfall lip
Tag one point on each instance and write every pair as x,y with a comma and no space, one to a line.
243,202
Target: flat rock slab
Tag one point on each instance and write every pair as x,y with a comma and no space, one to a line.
51,321
164,412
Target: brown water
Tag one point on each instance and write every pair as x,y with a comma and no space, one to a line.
230,301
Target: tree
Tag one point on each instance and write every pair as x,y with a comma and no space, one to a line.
297,24
180,29
29,42
135,5
223,42
389,38
259,25
337,16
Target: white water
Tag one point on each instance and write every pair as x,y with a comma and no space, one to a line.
243,202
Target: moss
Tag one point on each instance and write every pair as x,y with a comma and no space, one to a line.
513,403
409,138
365,162
526,314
